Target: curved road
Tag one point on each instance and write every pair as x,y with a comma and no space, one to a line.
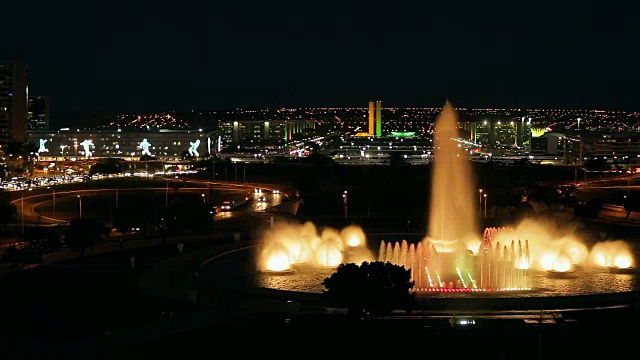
27,205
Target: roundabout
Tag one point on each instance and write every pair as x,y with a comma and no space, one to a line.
235,271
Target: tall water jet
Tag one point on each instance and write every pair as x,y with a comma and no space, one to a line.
452,213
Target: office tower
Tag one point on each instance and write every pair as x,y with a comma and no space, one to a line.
372,118
375,118
13,100
378,118
38,115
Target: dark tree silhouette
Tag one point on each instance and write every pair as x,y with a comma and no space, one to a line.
372,288
397,159
142,213
83,233
8,213
596,164
106,167
181,217
32,246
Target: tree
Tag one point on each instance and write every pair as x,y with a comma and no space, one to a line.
83,233
42,240
181,217
8,213
14,150
30,152
147,158
371,288
140,214
397,159
34,244
110,166
596,164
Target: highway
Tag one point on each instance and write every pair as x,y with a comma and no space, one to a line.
31,208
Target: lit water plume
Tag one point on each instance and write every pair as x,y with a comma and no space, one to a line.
451,215
612,254
454,257
286,244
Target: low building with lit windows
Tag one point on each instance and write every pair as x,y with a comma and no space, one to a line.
252,133
128,144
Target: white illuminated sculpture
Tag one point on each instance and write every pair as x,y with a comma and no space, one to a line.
86,145
193,149
42,147
144,147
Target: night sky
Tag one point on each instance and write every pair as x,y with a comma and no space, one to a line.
180,55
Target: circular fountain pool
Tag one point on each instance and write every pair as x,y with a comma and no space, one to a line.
309,279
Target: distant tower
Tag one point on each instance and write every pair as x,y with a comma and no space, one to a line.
378,118
372,118
13,100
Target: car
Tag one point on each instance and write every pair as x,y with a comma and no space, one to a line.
262,199
226,205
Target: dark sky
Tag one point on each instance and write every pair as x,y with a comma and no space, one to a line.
150,56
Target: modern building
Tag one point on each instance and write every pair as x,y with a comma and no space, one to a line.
623,149
255,133
13,100
375,118
549,143
38,113
496,133
362,149
128,144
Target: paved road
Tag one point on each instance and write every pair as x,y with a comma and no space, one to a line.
27,206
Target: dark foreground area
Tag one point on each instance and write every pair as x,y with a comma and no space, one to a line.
277,335
336,336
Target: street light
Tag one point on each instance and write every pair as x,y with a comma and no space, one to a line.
485,205
22,211
345,202
80,201
579,123
204,199
480,199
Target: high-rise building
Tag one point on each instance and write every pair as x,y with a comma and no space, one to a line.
13,100
38,114
378,118
375,118
372,118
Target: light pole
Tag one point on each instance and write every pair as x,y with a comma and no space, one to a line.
22,211
166,196
80,202
480,199
579,123
204,199
345,202
53,194
117,187
485,205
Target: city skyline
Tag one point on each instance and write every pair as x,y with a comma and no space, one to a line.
142,58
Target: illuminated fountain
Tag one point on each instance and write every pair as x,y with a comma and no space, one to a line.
286,245
453,258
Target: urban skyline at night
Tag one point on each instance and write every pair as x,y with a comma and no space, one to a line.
142,58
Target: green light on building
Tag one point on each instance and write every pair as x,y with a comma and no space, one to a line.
403,133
